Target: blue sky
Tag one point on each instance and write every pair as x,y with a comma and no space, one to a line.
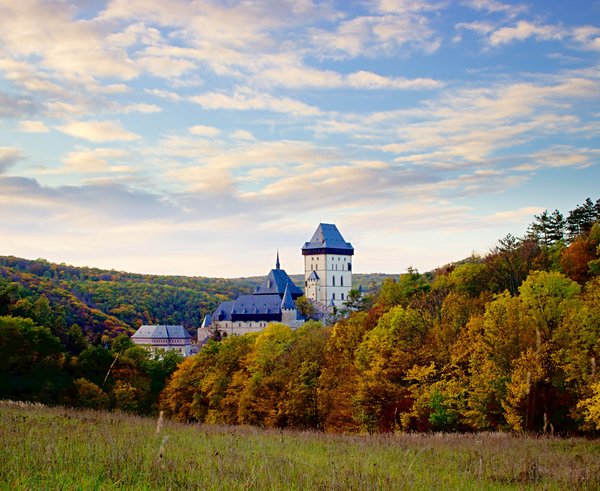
196,138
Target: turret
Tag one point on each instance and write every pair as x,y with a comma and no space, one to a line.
327,266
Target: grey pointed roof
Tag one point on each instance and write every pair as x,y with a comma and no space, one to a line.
162,332
327,239
207,321
287,303
313,276
276,282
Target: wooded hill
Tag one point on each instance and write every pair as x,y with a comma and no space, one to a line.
108,302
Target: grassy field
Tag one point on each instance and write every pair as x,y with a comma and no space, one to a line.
59,448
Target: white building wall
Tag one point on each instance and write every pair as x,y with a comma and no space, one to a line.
335,277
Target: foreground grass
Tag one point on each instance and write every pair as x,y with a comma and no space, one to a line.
58,448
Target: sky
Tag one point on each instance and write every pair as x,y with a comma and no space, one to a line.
198,137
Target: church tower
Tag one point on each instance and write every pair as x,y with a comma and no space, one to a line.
327,266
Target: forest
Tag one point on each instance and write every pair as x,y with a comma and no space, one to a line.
506,341
509,341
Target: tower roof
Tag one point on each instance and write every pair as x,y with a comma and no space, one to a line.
287,303
276,282
327,240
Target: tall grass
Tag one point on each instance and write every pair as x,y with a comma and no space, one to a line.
59,448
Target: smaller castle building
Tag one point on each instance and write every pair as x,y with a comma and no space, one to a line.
154,338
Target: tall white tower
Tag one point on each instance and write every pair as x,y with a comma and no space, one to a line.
327,266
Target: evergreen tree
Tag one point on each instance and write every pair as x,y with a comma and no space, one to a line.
581,219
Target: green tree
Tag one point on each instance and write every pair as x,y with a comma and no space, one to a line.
305,307
31,362
581,219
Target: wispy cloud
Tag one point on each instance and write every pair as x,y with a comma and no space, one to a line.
9,156
245,99
29,126
98,131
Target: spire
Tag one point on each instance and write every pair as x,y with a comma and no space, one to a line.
277,265
287,303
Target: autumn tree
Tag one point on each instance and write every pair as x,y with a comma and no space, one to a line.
510,262
383,360
579,258
339,374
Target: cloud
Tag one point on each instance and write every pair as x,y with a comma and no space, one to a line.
244,99
164,94
141,108
369,80
243,135
8,157
14,106
561,156
376,35
98,131
494,7
96,160
299,76
523,30
588,37
201,130
29,126
50,33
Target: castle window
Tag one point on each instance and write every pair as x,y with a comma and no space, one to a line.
333,279
333,296
342,296
342,282
349,266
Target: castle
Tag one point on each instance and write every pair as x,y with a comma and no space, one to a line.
327,282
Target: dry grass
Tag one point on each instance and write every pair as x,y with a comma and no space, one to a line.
58,448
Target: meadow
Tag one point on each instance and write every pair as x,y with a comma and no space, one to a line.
60,448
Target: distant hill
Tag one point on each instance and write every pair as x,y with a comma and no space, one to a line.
108,301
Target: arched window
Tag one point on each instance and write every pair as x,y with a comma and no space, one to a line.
333,279
341,281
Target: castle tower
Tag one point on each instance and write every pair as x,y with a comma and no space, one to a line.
327,266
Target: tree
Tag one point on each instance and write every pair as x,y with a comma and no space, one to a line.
547,229
357,301
305,307
89,395
31,362
579,258
338,379
76,342
590,408
383,359
510,261
261,397
581,219
184,398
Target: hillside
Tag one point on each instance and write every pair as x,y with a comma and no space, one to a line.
109,302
